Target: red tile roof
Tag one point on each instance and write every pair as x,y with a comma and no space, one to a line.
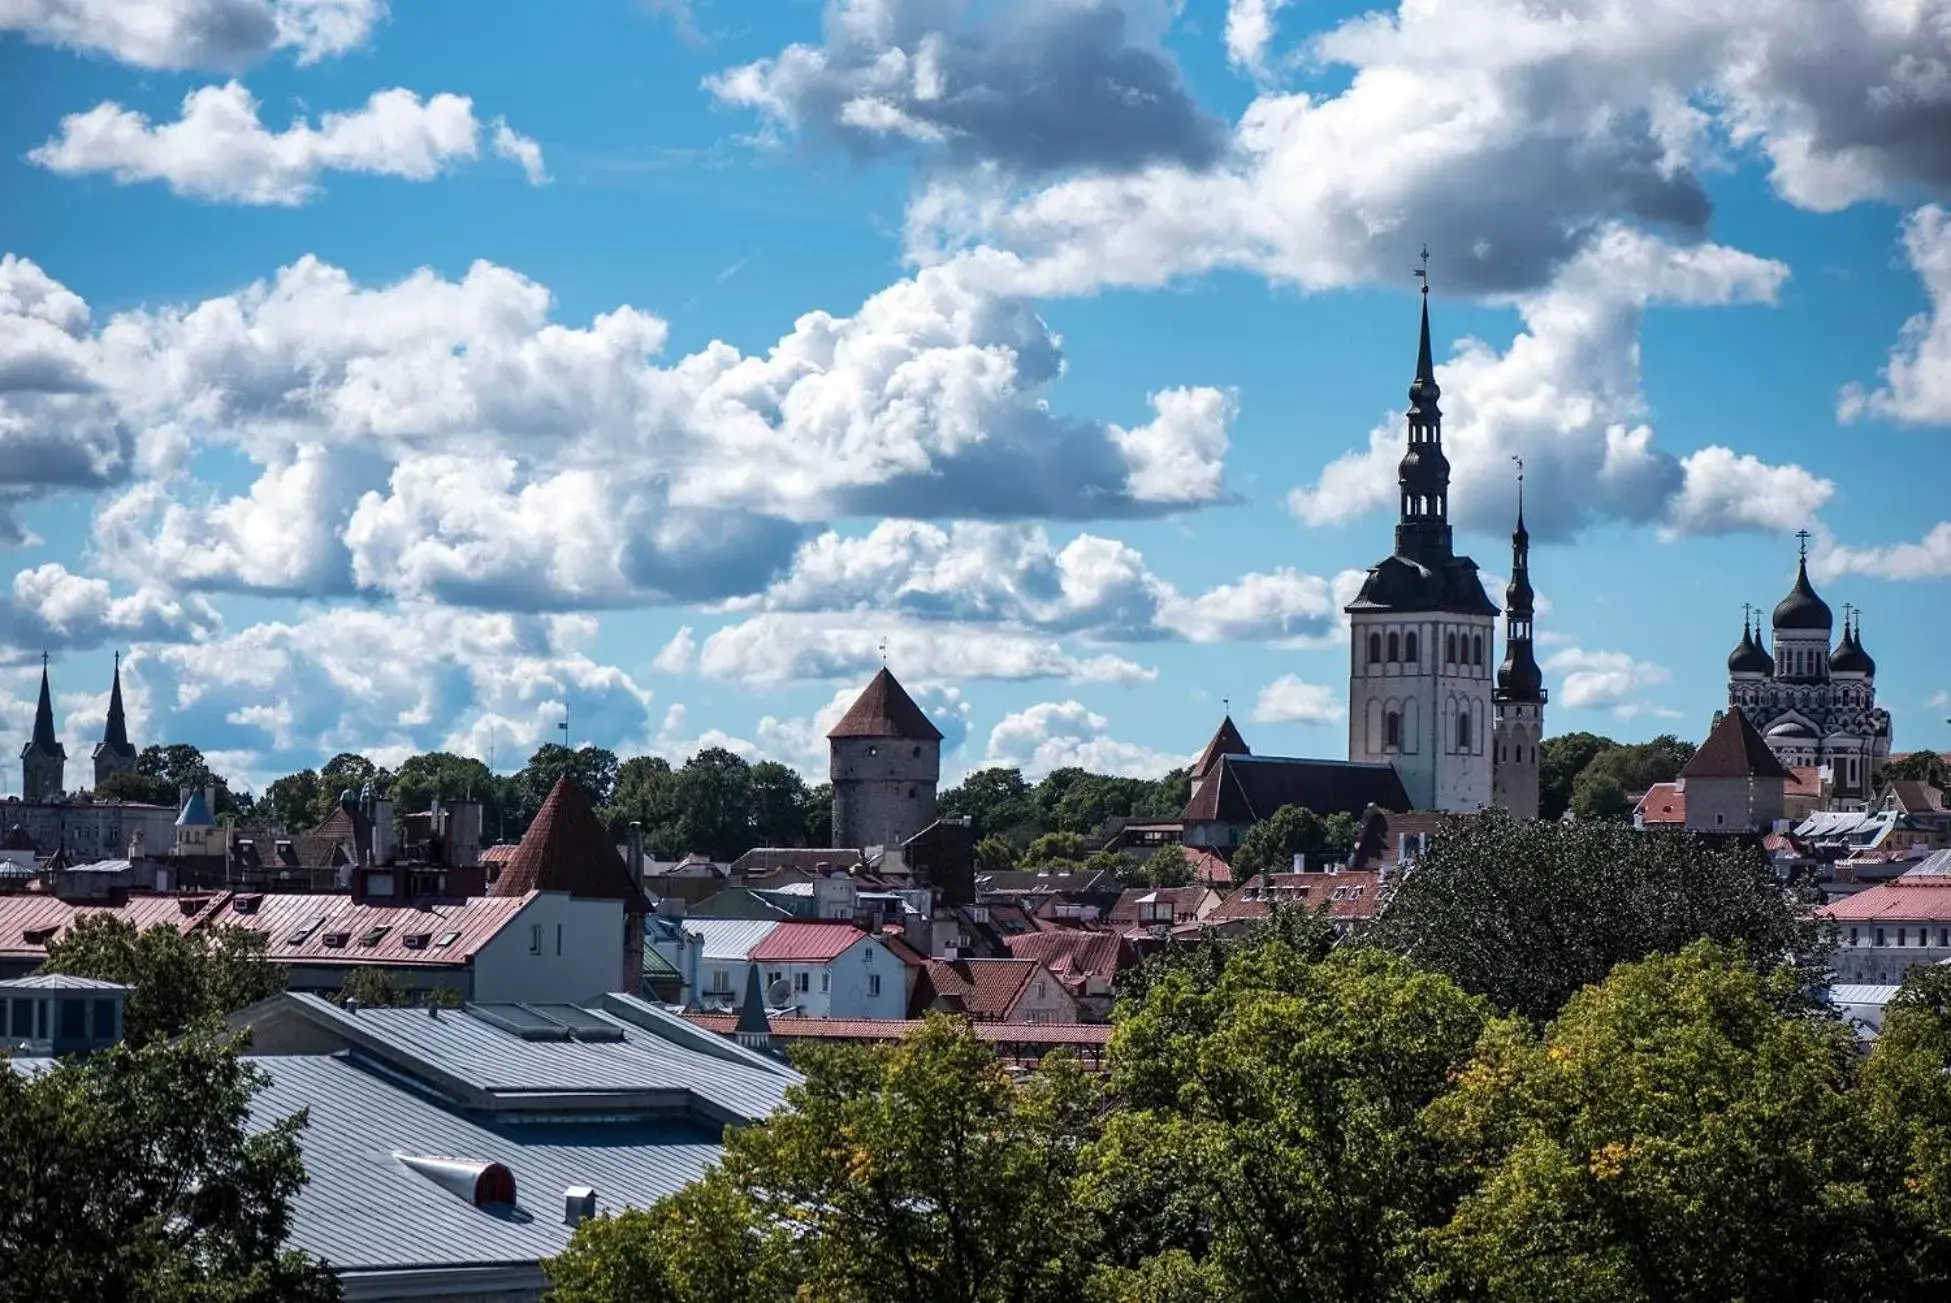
1351,895
1226,742
499,854
1072,954
1186,902
1734,750
43,917
304,928
566,849
1207,867
1915,797
1664,803
1804,780
1923,901
981,988
807,943
884,709
892,1029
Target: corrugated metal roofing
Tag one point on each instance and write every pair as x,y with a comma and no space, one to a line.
807,943
487,1058
730,938
298,925
61,982
362,1209
22,916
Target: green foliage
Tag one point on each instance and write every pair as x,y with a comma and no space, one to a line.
1528,912
291,802
1918,767
778,800
1054,848
1903,1113
997,802
1671,1136
1599,765
134,785
917,1171
1597,795
1270,845
374,988
1168,866
179,977
1560,760
818,827
994,855
714,795
132,1175
179,765
594,768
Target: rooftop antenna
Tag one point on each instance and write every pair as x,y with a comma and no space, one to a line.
1226,705
563,724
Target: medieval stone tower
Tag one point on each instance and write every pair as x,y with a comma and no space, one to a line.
1519,697
885,760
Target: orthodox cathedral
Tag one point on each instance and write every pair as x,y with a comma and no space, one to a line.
1425,692
1813,705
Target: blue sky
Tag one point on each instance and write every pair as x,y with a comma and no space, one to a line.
389,380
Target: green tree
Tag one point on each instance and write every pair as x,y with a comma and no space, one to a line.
1271,1124
1598,795
1528,912
714,792
1166,798
1054,848
1636,766
133,1175
134,785
179,977
1903,1110
1270,845
374,988
1560,760
778,797
179,765
1168,866
347,772
994,855
1919,767
919,1171
442,775
1672,1136
819,815
594,768
997,803
291,802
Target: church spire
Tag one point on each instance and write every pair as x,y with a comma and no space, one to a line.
1518,678
44,738
1423,531
116,733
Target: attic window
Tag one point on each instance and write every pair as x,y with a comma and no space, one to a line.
373,934
337,940
447,939
35,936
416,940
311,926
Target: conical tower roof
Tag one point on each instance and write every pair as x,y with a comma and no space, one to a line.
884,709
1802,609
45,740
1226,742
566,849
1734,750
115,735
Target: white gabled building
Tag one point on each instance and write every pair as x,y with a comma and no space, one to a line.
806,969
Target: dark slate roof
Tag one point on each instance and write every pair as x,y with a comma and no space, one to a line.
1398,583
1734,750
1248,789
45,740
885,709
1802,609
1226,742
1749,656
115,733
339,838
566,849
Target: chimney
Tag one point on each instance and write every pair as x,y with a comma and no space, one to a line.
1300,861
637,854
382,832
578,1204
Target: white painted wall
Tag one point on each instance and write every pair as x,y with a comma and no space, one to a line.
1044,1000
1429,694
558,949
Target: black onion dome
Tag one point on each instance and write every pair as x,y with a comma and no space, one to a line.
1518,595
1849,657
1802,609
1519,678
1424,464
1750,657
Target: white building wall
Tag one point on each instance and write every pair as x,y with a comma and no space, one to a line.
1884,951
865,982
1428,695
1044,1000
560,949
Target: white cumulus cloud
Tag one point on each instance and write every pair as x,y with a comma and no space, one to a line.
1604,679
1916,388
1288,700
182,34
1057,734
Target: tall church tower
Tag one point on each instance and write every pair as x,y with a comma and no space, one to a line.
114,754
43,761
1519,697
884,759
1423,631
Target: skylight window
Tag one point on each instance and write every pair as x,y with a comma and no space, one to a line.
447,939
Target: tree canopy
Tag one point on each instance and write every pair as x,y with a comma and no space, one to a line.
179,977
1271,845
133,1175
1526,913
1607,772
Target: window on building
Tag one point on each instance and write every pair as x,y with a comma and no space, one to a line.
1879,936
802,982
535,938
1395,648
1477,650
1944,936
873,984
826,983
1449,647
1375,649
74,1020
1392,731
1463,731
22,1028
1409,648
1852,936
721,981
911,793
1900,936
104,1012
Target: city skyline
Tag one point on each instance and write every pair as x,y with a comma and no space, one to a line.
668,364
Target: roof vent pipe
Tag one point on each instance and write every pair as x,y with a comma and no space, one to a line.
480,1183
578,1204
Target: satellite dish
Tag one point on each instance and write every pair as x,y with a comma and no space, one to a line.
779,993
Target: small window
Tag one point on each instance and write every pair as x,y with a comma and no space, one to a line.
22,1028
826,983
535,938
337,940
1463,731
1375,649
374,934
1409,648
1944,936
873,984
1395,648
1900,936
1449,648
1852,936
74,1020
917,753
1392,731
802,982
911,793
447,939
311,926
1477,650
104,1020
1879,936
721,981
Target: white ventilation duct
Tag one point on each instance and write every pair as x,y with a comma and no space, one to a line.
480,1183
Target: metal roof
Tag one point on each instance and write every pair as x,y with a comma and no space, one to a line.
297,927
1855,994
807,943
61,982
363,1210
730,938
43,917
497,1068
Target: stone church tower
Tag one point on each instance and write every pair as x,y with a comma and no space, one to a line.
1424,632
114,754
1519,697
43,761
885,759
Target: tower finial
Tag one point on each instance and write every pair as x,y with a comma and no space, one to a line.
883,649
1520,489
1747,613
1805,536
1422,273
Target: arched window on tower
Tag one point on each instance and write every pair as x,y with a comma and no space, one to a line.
1395,648
1463,731
1409,647
1375,649
1449,647
1477,650
1392,731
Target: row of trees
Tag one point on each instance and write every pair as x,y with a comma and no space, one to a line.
1597,1101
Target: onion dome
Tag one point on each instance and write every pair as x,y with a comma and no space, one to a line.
1424,463
1802,609
1849,657
1519,678
1749,657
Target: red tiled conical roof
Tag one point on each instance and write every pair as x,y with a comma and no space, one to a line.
886,710
566,849
1734,750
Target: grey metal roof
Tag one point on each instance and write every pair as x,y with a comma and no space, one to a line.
1856,994
457,1048
729,938
363,1210
61,982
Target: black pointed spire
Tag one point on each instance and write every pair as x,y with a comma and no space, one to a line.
1518,678
115,735
44,738
1423,531
1423,390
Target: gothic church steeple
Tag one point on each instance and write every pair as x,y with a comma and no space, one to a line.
1423,475
114,754
43,761
1519,697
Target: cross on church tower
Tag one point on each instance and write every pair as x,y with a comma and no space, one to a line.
1422,273
1805,536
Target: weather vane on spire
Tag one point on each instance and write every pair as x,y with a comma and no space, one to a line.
883,649
1805,536
1422,273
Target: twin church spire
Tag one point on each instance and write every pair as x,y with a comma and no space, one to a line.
44,761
